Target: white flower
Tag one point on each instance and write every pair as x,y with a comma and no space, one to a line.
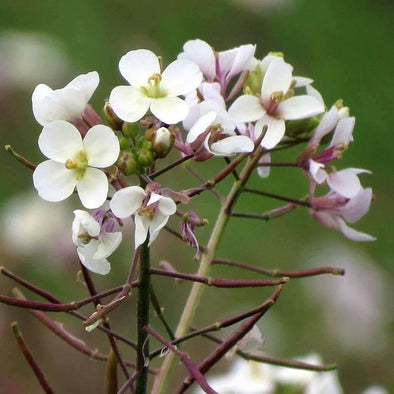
151,211
274,106
151,89
72,162
94,244
64,104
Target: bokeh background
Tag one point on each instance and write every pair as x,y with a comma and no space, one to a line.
345,46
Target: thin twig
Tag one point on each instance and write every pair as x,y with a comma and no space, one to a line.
170,166
278,197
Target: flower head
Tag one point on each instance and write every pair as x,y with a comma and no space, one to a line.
73,163
152,89
275,104
67,103
151,211
94,240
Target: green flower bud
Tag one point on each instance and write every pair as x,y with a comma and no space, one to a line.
124,143
254,81
145,158
114,121
302,127
127,163
130,130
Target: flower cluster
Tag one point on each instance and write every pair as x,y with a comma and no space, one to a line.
227,102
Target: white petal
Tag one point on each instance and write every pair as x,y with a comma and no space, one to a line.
107,244
345,182
82,223
343,132
85,254
138,66
317,172
169,110
302,81
327,123
231,145
125,202
246,108
180,77
167,206
53,181
93,188
156,224
60,141
353,234
86,84
66,104
129,103
357,206
299,107
277,79
234,61
200,126
101,146
311,91
267,60
141,229
275,132
202,54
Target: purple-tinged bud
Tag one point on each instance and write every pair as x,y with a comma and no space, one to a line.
127,163
114,121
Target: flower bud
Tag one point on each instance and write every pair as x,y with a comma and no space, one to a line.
114,121
302,127
127,163
254,81
124,143
130,130
162,142
145,158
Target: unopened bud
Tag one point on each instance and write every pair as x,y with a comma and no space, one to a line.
130,130
114,121
162,142
127,163
343,112
145,158
302,127
124,143
254,81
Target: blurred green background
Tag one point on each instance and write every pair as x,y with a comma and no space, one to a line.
343,45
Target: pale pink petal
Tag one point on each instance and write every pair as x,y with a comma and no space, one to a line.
302,81
86,84
101,146
60,140
154,197
275,132
203,55
107,244
129,103
66,104
231,145
200,126
211,91
326,219
264,171
317,171
246,108
138,66
180,77
357,206
327,123
92,188
234,61
299,107
352,234
86,253
169,110
125,202
53,181
345,182
343,132
311,91
141,229
277,79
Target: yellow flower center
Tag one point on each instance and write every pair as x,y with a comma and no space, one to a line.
152,89
79,164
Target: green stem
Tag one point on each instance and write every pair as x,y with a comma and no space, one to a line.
143,320
206,260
